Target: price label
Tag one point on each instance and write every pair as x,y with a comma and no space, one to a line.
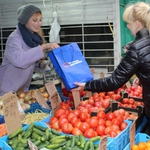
103,143
39,97
54,96
11,113
32,146
132,133
76,97
128,85
55,102
50,88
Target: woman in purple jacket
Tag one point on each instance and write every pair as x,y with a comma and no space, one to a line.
24,50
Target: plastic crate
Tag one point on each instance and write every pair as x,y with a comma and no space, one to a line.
2,119
36,107
119,142
140,137
4,140
143,124
4,146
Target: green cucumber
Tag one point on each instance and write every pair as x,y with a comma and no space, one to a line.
87,145
38,131
15,133
55,132
40,128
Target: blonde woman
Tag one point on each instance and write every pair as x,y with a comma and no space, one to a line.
137,58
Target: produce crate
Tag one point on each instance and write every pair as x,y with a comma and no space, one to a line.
4,139
36,106
116,143
2,119
143,124
119,142
139,111
140,137
4,146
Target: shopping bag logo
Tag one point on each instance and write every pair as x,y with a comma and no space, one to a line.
70,64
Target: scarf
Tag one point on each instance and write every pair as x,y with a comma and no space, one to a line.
31,39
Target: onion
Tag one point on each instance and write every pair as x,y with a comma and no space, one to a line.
42,89
1,103
21,101
21,95
45,94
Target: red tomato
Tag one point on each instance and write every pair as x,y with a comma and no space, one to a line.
62,121
65,106
53,119
55,125
116,121
59,112
125,101
113,134
105,103
108,123
83,116
122,112
76,112
110,116
93,122
89,133
74,120
123,125
100,130
110,93
101,114
101,121
71,116
67,128
107,130
76,132
84,126
91,101
77,124
115,127
120,117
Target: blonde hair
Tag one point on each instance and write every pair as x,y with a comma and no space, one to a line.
139,11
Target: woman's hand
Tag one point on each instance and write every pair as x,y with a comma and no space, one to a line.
49,46
80,86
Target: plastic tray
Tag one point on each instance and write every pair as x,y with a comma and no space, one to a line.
140,137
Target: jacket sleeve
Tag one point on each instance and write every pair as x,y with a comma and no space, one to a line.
19,54
124,71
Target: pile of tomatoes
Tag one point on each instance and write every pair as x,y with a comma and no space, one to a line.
78,122
130,103
135,91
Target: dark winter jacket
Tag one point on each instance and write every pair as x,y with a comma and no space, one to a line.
136,61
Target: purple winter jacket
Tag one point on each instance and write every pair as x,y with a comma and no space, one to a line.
18,64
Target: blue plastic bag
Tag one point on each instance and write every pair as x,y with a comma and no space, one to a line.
70,65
